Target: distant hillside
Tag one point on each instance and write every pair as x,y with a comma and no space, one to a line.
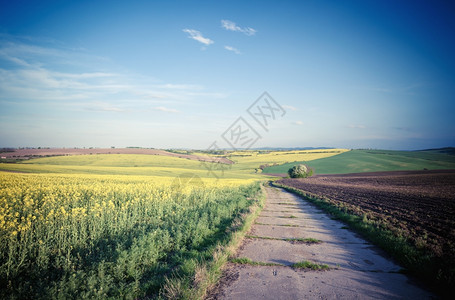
293,149
45,152
446,150
356,161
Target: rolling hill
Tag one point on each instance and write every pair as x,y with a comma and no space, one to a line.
356,161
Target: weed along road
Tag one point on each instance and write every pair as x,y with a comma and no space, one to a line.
295,251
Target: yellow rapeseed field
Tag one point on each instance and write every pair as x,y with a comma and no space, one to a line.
116,225
71,224
282,157
250,160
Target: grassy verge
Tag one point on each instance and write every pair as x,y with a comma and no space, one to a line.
205,272
282,225
301,240
417,262
299,265
309,265
247,261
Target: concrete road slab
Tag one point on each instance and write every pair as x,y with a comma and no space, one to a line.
264,282
358,270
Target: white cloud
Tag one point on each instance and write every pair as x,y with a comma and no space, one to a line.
299,123
165,109
196,35
23,52
229,25
359,126
55,90
32,74
289,107
102,106
15,60
179,86
44,84
235,50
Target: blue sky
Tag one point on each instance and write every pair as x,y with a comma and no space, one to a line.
175,74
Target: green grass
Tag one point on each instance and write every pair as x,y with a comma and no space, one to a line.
357,161
288,217
299,265
283,225
302,240
309,265
205,273
310,240
247,261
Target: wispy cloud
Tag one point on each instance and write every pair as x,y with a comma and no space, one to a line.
30,73
35,52
196,35
106,107
298,123
165,109
289,107
179,86
358,126
229,48
45,84
229,25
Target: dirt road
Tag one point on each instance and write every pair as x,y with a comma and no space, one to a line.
358,270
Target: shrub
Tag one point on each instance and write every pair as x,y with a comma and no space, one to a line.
300,171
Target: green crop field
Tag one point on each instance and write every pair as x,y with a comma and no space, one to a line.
356,161
246,164
127,164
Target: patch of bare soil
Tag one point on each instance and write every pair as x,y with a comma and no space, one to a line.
417,204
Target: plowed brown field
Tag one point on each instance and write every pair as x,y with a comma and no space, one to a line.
419,205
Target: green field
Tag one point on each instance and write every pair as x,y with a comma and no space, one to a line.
128,164
356,161
246,164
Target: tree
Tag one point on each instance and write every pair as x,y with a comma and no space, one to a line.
300,171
